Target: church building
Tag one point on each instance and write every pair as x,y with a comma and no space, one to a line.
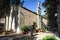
21,16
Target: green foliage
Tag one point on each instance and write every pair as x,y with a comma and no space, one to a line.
49,37
51,9
5,6
25,28
45,16
16,2
43,29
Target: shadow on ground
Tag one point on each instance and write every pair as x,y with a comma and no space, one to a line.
57,34
18,37
26,38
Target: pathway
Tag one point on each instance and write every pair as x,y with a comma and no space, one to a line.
37,36
41,35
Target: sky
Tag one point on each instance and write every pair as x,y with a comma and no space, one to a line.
32,5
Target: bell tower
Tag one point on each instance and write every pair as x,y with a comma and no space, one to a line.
38,15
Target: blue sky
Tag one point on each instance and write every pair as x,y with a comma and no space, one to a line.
32,5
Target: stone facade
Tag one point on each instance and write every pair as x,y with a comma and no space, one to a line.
27,17
44,21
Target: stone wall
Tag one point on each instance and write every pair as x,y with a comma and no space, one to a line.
44,21
27,17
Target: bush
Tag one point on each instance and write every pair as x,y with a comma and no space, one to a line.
43,29
49,38
25,28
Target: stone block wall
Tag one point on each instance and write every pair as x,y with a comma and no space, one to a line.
27,17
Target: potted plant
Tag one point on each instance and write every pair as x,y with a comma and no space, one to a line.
25,29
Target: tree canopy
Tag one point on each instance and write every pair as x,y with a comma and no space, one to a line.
50,10
5,6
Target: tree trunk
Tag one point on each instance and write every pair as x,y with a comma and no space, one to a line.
10,18
18,27
7,23
13,24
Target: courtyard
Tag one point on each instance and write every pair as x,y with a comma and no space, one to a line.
29,19
36,36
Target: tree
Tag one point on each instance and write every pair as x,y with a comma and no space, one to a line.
51,9
4,7
45,16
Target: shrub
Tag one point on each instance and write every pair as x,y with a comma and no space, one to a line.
43,29
25,28
49,38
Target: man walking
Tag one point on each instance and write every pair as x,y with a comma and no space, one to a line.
32,28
